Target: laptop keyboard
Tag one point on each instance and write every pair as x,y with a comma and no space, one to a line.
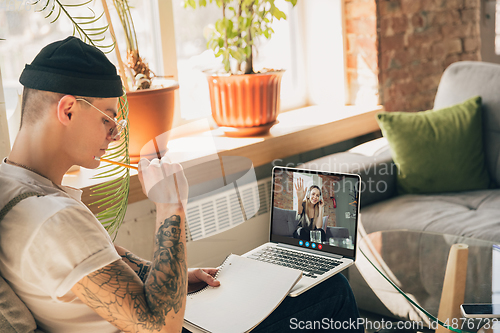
311,266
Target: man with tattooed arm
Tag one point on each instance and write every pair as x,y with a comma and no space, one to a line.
56,255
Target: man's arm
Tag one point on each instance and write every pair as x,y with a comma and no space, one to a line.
116,292
197,277
139,266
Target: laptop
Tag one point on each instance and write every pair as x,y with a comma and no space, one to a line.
319,255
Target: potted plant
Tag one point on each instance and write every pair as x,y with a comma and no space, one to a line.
151,108
243,99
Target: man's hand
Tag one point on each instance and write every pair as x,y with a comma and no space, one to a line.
199,278
163,182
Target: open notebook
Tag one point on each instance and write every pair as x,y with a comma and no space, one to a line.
249,291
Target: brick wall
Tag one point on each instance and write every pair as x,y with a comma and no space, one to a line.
328,194
283,195
416,41
361,51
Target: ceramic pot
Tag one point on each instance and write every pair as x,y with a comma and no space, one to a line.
247,103
151,114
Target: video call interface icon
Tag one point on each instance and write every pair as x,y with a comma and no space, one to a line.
313,245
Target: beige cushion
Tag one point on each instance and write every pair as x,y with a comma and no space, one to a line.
14,315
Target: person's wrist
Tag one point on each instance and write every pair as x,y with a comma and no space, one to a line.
168,209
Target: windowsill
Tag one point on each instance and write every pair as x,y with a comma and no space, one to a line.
297,132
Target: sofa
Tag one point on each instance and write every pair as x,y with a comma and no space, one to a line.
474,214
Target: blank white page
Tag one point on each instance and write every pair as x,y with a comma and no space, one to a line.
249,291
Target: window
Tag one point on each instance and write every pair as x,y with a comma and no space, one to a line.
308,45
281,52
26,32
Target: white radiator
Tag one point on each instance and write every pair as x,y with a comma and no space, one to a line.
216,224
223,211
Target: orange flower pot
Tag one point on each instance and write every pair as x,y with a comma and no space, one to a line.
151,113
248,103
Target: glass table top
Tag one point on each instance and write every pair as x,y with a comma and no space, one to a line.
415,261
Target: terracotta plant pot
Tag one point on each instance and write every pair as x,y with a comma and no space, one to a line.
247,103
151,113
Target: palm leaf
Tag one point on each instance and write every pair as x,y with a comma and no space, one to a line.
113,194
93,36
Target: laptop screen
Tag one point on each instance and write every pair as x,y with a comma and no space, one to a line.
316,210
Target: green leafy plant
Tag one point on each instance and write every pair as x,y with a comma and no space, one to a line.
242,23
112,195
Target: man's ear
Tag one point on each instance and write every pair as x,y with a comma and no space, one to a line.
66,108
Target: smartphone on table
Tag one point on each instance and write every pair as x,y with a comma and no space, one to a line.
478,310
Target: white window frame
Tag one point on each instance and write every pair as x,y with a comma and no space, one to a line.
166,36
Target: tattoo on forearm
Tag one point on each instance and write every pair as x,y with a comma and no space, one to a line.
165,286
166,283
123,289
140,266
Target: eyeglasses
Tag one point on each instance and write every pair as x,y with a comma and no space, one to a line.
120,126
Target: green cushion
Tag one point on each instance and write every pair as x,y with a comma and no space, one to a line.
438,150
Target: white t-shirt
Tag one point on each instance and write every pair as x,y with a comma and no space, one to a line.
47,244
